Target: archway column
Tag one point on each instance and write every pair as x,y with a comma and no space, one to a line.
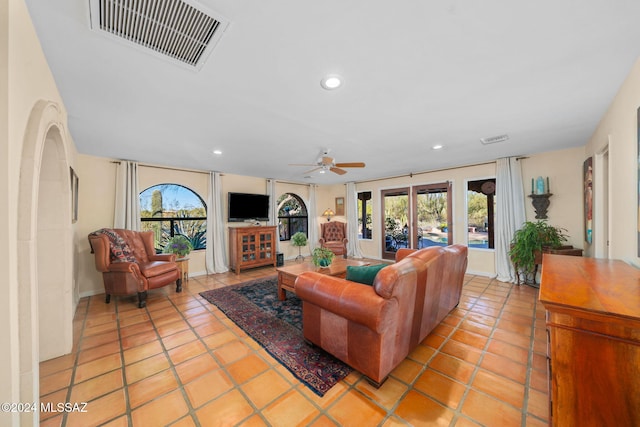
44,163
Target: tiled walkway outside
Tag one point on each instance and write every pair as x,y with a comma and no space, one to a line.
181,362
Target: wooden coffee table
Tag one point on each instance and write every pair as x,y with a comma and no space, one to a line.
287,275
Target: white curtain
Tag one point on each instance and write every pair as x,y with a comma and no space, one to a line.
127,203
312,212
273,209
510,214
215,259
351,206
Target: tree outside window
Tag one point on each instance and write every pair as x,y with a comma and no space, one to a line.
292,216
172,209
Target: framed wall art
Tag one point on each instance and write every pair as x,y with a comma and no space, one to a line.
587,171
339,205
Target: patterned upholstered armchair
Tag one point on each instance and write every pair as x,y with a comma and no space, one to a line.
333,236
130,265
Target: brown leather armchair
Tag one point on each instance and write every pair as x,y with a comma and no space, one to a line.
333,236
374,328
129,263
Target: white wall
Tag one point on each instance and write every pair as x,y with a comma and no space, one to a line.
619,129
564,170
97,183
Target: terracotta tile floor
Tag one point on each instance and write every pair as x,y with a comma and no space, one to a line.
181,362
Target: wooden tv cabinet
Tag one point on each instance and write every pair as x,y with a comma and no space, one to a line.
593,325
251,247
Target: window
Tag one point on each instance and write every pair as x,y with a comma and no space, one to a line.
292,216
171,209
364,215
481,202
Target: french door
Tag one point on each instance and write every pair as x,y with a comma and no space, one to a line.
416,217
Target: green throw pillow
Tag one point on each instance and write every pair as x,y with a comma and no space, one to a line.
364,274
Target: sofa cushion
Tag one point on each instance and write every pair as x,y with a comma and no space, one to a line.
156,268
363,274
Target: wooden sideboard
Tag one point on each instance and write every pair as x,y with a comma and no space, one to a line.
251,247
593,325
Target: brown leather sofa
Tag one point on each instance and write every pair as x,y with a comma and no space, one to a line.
374,328
333,236
131,265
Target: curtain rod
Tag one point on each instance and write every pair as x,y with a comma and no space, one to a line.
291,183
411,174
147,165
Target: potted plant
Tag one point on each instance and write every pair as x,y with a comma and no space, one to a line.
528,243
179,245
322,257
299,239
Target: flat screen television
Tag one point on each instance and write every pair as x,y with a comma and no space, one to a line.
248,207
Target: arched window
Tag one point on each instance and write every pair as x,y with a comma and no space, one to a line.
292,216
171,209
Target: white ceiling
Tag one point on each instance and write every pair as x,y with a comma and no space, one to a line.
416,73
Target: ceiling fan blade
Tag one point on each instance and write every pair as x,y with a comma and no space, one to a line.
350,165
338,171
312,170
302,164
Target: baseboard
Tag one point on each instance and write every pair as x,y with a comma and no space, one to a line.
101,291
91,293
482,273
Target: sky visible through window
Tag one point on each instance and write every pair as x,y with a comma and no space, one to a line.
174,197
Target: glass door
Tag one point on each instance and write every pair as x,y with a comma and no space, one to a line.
416,218
432,217
395,221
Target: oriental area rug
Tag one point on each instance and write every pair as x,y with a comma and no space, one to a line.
277,326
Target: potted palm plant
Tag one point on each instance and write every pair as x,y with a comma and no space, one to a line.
529,242
299,239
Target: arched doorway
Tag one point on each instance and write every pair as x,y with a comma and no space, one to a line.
45,282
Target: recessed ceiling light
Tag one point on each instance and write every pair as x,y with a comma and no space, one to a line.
332,81
217,152
437,147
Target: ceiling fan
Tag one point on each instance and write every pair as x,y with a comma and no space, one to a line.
326,163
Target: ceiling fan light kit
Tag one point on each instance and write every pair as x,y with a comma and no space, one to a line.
325,163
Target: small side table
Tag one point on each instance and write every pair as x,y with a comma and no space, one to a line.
183,266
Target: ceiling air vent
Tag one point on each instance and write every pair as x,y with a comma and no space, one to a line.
494,139
178,29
